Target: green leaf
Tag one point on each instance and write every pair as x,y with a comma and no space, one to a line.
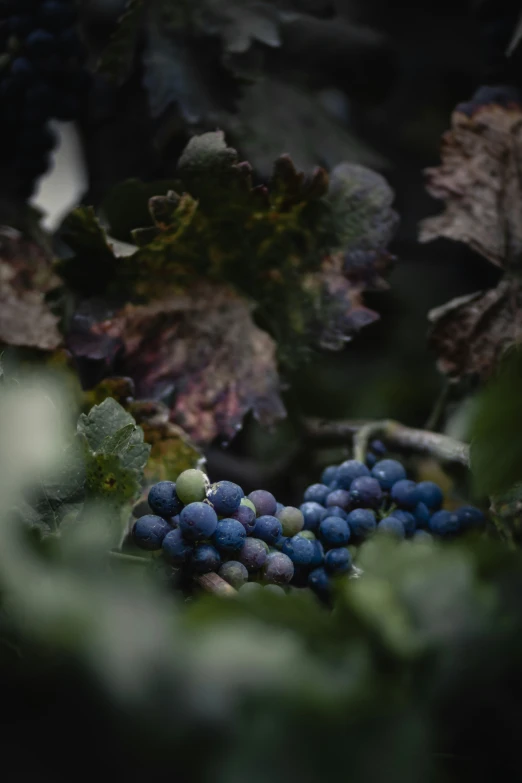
117,59
103,422
496,445
126,206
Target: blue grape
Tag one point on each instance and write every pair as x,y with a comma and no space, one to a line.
350,470
338,561
22,68
336,511
470,517
362,522
299,549
378,448
316,493
234,573
371,460
278,569
149,531
175,549
444,523
339,498
253,554
422,515
264,502
365,492
57,16
40,42
334,531
198,521
229,535
226,497
247,517
408,520
279,507
431,494
312,513
391,526
388,472
163,499
205,558
268,529
329,474
319,582
318,557
404,493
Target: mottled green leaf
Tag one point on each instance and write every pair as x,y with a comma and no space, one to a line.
103,422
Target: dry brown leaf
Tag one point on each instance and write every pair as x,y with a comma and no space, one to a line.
204,348
470,334
480,181
25,278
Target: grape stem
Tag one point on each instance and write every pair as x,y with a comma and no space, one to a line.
395,434
213,583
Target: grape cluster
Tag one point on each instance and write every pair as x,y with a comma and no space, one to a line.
41,78
254,541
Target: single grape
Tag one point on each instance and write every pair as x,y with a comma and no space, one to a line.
191,486
329,474
316,493
338,561
378,448
470,517
408,520
278,569
249,587
229,535
253,554
175,549
350,470
371,460
391,526
422,516
292,520
431,494
234,573
308,534
57,16
334,531
362,522
247,517
339,498
404,493
22,69
40,42
319,581
444,523
279,507
149,531
387,472
225,496
268,529
205,559
365,492
163,500
272,588
299,550
312,514
198,521
264,502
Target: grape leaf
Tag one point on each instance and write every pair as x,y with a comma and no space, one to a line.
239,23
26,276
470,334
479,178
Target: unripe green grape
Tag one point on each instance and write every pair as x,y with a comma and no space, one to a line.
291,519
274,589
249,587
192,486
234,573
309,534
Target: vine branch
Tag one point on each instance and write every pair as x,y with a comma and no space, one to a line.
395,434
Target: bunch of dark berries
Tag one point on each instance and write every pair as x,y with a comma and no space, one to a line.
254,540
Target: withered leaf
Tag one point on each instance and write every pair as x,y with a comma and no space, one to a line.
471,333
480,181
26,276
203,348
